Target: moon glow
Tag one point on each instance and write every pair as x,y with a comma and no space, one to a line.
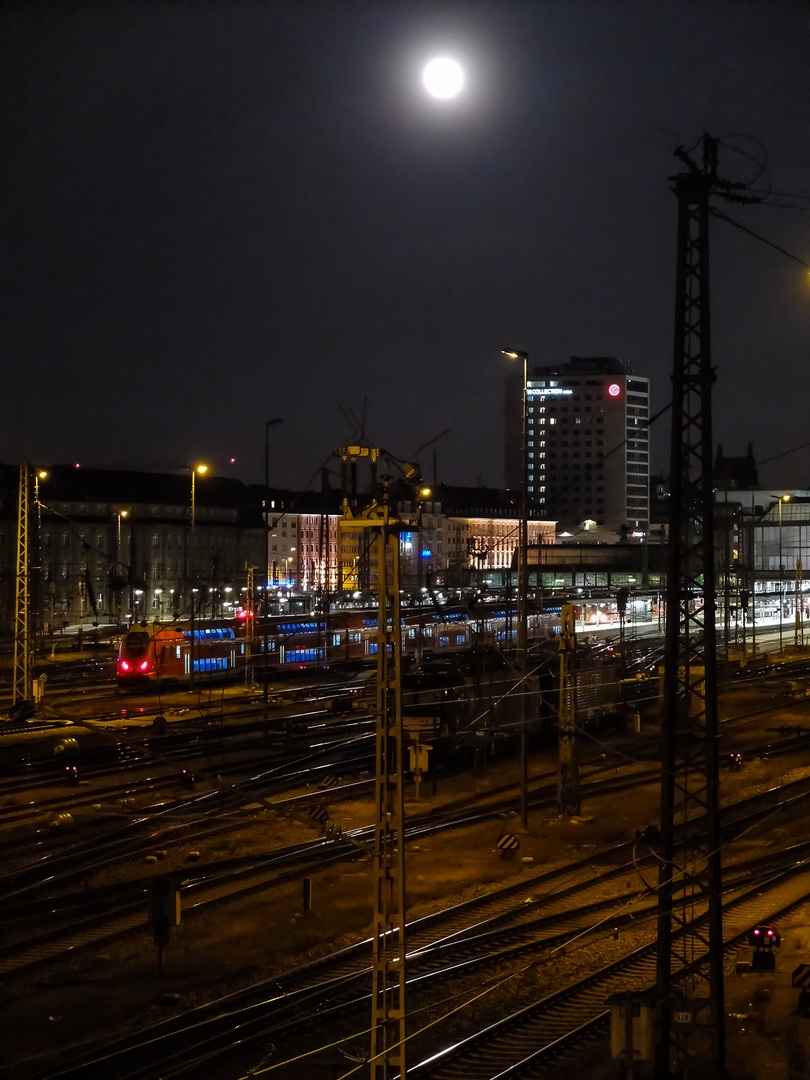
443,78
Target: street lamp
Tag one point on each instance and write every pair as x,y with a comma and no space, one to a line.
121,512
523,576
782,499
267,425
202,470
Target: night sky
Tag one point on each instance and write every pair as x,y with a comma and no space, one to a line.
218,213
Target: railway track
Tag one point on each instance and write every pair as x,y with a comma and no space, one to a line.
495,937
531,1041
122,908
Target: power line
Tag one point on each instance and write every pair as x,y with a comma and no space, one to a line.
743,228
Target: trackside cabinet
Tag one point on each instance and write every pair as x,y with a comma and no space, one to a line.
631,1032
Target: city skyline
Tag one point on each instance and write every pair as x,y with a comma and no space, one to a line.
221,214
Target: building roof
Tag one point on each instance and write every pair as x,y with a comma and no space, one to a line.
586,365
67,484
481,502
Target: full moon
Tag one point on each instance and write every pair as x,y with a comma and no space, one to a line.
443,78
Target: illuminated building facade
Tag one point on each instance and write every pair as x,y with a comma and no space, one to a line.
588,444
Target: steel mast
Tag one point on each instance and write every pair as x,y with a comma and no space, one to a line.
23,637
690,1012
388,1012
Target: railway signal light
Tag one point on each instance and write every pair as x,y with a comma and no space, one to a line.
764,940
764,937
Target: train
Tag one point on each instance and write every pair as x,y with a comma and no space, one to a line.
161,653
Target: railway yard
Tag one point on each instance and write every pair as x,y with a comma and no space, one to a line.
261,812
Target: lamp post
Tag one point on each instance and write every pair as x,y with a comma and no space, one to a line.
202,470
523,582
265,613
36,590
782,499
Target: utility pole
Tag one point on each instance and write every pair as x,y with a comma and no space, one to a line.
568,794
23,639
250,625
265,583
690,1015
523,587
388,1011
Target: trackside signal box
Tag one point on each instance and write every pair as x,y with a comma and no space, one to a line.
631,1030
163,911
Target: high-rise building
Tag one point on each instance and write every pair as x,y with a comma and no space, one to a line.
588,443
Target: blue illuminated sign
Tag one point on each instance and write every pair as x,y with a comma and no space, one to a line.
426,554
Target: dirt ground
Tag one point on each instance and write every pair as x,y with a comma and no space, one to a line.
251,939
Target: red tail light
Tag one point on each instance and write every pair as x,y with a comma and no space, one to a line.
144,665
123,665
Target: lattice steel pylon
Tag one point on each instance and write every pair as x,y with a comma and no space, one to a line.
23,637
250,623
690,1029
388,1011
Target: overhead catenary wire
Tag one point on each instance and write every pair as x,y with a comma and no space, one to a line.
715,212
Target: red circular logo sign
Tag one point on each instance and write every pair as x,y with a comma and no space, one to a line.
614,389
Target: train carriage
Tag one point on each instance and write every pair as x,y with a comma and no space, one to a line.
157,653
163,653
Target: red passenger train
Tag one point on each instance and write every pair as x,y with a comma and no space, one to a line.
163,653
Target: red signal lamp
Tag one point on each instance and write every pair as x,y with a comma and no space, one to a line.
764,937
